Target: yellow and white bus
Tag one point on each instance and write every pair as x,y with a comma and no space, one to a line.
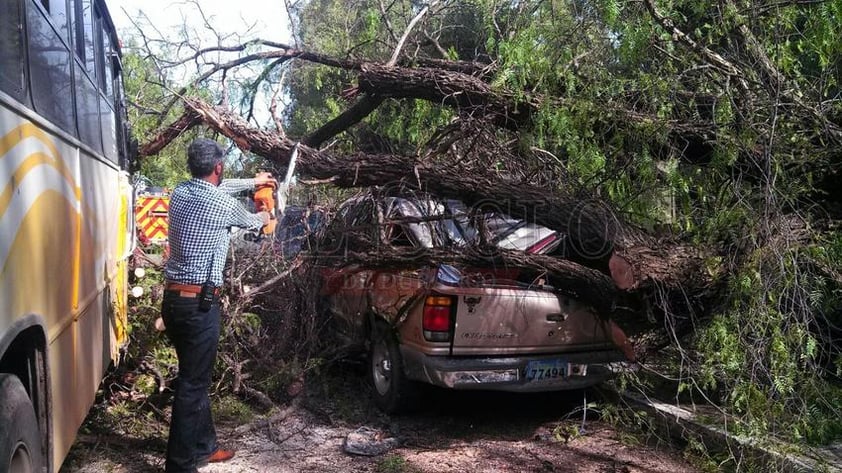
65,222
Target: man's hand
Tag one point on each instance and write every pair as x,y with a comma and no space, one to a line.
265,216
262,178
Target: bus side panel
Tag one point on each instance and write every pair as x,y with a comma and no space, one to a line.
40,212
61,245
105,251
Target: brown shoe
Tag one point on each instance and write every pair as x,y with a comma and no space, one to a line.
217,456
221,455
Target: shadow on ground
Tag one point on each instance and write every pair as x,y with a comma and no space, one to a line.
453,432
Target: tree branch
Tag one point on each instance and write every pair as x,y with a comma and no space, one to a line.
355,114
777,83
394,59
281,55
592,228
436,45
384,15
231,49
187,120
568,277
369,102
273,106
708,55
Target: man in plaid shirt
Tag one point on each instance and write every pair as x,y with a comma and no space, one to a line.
201,215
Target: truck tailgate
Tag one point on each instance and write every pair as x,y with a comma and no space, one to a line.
510,320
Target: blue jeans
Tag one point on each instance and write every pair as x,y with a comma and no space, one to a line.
195,335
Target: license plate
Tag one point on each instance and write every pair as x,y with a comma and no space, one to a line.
546,369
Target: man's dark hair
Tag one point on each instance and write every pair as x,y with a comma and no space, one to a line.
202,155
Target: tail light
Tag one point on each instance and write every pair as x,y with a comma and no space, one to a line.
438,318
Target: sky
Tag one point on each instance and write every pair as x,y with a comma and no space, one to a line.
227,16
241,19
249,19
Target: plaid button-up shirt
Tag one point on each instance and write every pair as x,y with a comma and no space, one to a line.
201,216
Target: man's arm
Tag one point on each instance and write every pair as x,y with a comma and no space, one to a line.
234,186
238,216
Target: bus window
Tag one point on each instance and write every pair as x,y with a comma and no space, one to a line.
108,53
87,110
123,129
105,75
58,12
76,28
11,48
109,130
49,67
88,39
99,47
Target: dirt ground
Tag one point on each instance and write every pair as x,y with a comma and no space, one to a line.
454,432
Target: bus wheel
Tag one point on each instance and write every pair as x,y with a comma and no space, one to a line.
20,445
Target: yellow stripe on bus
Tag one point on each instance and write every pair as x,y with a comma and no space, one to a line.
121,282
12,139
24,131
30,130
30,162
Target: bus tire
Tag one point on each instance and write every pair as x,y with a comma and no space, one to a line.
20,444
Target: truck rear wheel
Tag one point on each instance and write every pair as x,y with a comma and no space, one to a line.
393,392
20,445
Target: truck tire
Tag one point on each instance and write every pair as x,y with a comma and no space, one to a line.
393,393
20,440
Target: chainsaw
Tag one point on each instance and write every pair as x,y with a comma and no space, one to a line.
265,200
271,198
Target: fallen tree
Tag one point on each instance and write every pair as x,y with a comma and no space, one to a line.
646,273
599,239
592,126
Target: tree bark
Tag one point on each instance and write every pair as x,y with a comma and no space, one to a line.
472,68
467,93
460,85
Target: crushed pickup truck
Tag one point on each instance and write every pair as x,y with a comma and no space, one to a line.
491,328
